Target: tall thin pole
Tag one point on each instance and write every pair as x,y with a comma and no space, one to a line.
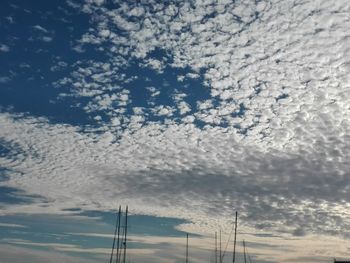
125,232
187,248
234,242
118,235
216,247
245,257
115,233
121,244
220,253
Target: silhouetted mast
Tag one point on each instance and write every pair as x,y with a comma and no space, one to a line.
115,233
125,232
187,248
216,247
118,233
121,244
220,253
234,242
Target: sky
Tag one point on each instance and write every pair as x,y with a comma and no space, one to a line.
186,111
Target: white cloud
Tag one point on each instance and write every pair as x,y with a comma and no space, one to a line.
163,111
155,64
214,170
10,19
46,39
184,107
180,78
291,85
154,91
4,48
4,79
244,49
192,75
41,29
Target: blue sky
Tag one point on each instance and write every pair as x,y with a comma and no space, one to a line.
186,111
86,235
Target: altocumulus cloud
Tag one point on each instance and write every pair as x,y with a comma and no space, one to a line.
275,136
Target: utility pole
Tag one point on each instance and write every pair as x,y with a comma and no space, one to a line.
234,242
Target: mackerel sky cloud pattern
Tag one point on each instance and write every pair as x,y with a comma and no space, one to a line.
190,109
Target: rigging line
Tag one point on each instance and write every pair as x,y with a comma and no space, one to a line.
228,241
115,234
119,256
246,249
245,258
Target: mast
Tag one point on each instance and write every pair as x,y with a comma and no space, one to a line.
118,234
125,232
245,257
121,243
220,253
234,242
216,248
187,248
115,233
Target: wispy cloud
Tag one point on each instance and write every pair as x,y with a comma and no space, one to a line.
12,225
4,48
40,28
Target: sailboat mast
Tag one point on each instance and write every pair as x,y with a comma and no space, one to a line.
187,248
118,235
245,257
115,233
220,253
234,242
121,242
216,247
125,232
